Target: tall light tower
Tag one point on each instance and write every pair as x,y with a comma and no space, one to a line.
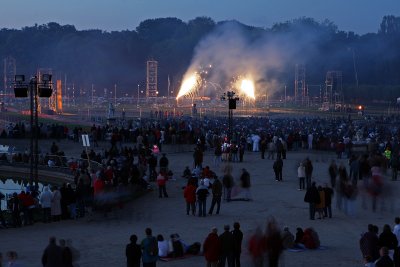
38,87
9,74
152,79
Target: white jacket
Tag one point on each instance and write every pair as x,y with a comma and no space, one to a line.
45,198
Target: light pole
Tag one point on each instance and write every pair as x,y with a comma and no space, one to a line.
42,87
138,88
230,96
92,95
115,95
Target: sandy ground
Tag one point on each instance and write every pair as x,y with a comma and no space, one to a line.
102,241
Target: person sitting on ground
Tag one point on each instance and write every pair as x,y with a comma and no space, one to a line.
163,246
176,246
310,239
384,260
187,173
287,238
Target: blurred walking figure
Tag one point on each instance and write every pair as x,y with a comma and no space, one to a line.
245,183
257,248
273,242
227,182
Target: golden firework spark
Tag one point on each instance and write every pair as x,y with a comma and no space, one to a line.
247,88
188,85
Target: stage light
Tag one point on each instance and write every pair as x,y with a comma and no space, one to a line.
21,91
45,91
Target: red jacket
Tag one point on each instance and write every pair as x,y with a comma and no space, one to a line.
212,248
161,180
190,193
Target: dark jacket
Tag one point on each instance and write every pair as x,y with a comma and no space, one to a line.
133,254
388,239
52,256
227,243
237,240
312,195
328,195
216,188
245,179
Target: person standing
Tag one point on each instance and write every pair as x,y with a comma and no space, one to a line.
328,201
45,200
162,184
227,181
301,174
333,172
202,193
52,255
133,253
66,254
278,166
312,198
237,244
245,183
309,171
216,190
149,247
263,146
189,194
227,246
56,204
164,162
212,248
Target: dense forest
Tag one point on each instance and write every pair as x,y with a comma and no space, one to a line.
370,63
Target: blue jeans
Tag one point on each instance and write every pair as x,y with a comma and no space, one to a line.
202,208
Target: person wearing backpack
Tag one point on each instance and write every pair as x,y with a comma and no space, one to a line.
150,249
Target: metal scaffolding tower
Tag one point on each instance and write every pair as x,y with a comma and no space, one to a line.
333,96
300,89
152,79
9,74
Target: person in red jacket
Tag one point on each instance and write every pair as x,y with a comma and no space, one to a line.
212,248
190,196
162,182
257,246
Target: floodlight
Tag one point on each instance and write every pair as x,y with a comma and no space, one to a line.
21,91
45,91
19,78
46,77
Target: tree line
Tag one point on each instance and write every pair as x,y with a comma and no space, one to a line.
104,58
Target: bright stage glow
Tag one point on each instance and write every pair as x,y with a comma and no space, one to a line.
247,88
188,85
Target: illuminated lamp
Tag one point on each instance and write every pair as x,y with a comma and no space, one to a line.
45,91
21,90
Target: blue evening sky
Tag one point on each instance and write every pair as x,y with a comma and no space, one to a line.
360,16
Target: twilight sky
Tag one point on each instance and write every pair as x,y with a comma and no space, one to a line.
360,16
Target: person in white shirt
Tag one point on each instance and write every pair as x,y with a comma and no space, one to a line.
301,174
163,246
45,201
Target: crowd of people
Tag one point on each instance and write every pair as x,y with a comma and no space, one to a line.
122,167
381,249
